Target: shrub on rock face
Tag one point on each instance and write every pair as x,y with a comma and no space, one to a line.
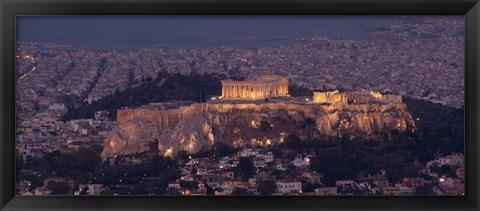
265,126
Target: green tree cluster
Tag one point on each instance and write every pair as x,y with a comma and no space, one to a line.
165,87
245,168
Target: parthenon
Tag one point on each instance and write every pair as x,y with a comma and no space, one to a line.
265,86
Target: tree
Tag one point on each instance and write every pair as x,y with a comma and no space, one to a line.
117,92
328,163
424,190
194,171
153,148
267,187
189,185
445,170
58,188
293,142
84,192
245,168
173,191
183,155
309,187
276,152
309,125
106,193
240,192
220,149
210,191
265,126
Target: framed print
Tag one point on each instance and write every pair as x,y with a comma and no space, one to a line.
316,105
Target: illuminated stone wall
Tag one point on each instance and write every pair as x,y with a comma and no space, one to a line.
164,117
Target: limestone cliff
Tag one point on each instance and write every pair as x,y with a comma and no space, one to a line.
198,126
131,137
363,119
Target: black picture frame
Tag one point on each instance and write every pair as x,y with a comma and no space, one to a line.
9,9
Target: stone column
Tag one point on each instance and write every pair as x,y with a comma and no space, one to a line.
226,91
278,88
243,91
244,94
260,90
238,91
282,91
263,91
240,88
252,90
235,91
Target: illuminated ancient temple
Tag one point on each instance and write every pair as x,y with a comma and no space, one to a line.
261,87
357,97
330,97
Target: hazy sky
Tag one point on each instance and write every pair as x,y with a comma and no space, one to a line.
131,32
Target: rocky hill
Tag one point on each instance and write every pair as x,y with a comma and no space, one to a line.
199,125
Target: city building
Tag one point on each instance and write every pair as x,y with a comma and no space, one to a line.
289,185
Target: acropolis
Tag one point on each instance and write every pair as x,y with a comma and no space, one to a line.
193,126
168,114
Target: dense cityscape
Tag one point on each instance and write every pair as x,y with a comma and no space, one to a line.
420,59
